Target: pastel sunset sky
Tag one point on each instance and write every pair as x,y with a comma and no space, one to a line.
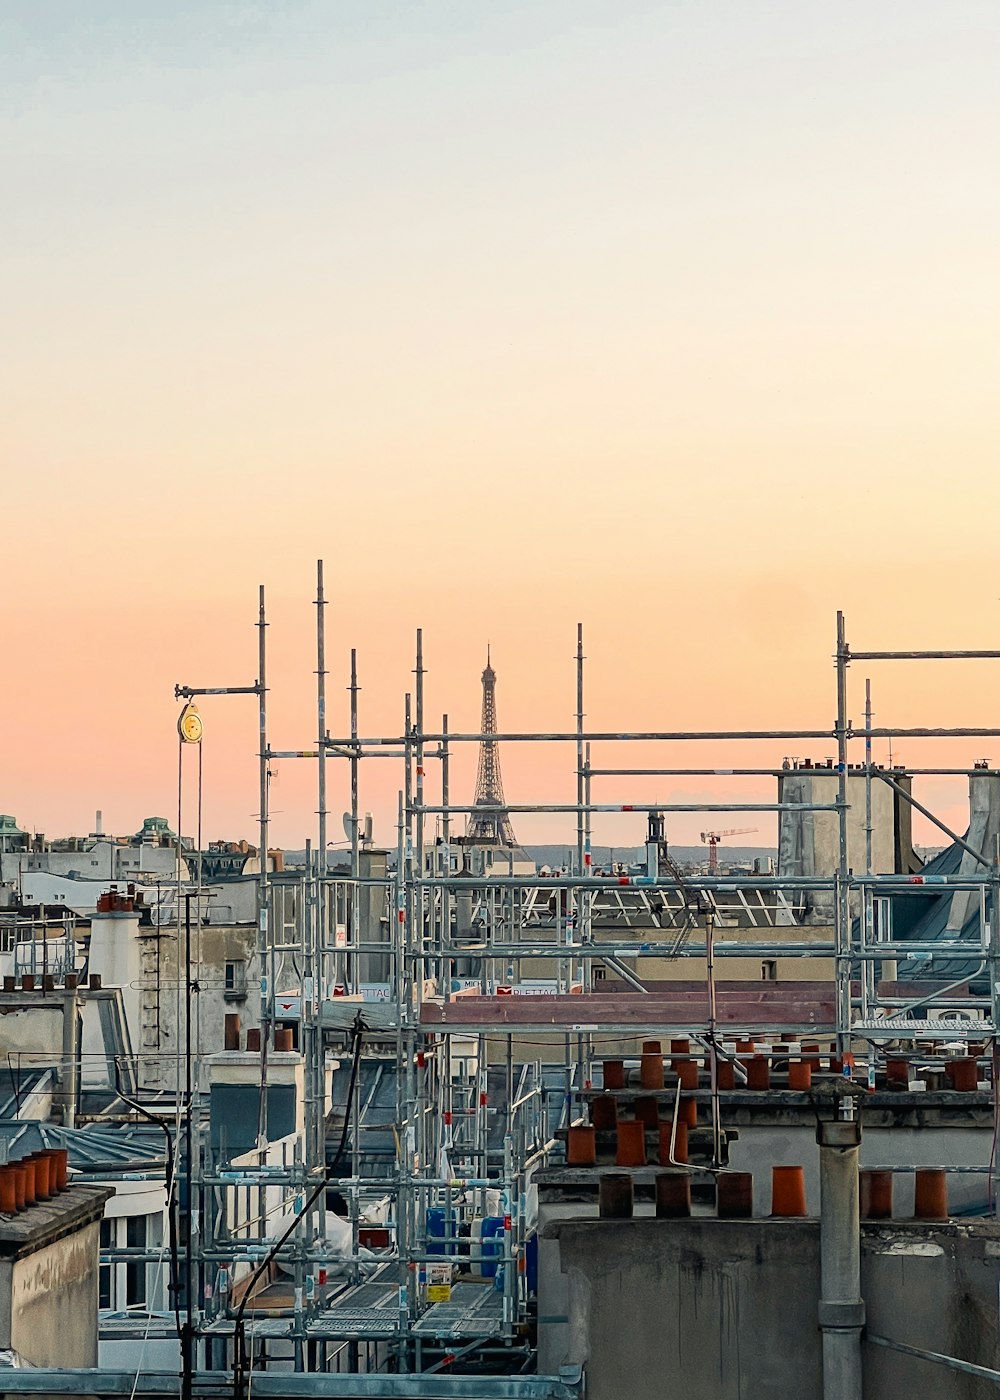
678,319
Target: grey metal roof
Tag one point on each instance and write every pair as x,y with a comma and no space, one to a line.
927,919
95,1150
17,1084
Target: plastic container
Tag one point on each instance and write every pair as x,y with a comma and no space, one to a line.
440,1225
490,1245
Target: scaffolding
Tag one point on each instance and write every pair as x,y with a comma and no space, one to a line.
445,1130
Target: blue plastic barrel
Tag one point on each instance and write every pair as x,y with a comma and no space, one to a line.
491,1244
440,1225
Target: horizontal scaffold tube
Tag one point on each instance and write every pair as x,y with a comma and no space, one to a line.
430,809
720,885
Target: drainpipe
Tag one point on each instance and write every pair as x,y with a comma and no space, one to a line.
70,1053
841,1309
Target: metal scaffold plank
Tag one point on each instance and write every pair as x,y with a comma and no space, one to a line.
333,1386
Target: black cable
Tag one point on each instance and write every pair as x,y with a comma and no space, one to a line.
172,1202
15,1084
239,1334
187,1336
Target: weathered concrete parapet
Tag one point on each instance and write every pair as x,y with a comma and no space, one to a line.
932,1286
49,1258
709,1309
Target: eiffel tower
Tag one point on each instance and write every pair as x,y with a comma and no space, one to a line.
489,828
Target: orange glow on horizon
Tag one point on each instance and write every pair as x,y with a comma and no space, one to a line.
676,320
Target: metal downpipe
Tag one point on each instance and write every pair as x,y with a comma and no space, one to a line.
841,1309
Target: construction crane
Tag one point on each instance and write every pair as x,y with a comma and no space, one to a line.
714,837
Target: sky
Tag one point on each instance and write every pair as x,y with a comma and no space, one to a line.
679,320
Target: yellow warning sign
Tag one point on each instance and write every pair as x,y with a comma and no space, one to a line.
439,1283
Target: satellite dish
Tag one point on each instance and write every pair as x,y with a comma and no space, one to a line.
365,826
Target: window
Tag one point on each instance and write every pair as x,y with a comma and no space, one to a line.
129,1283
135,1269
105,1288
769,970
236,980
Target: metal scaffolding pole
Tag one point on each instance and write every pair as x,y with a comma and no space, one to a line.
263,912
842,894
439,1118
352,975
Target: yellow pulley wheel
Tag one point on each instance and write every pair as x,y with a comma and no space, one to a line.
189,725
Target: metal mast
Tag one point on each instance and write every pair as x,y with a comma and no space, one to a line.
489,822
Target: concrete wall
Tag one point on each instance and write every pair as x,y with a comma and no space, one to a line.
115,956
159,1031
32,1032
933,1288
809,842
53,1302
704,1309
49,1279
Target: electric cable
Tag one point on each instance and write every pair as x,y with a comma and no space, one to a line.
994,1066
164,1245
15,1083
175,1264
240,1360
